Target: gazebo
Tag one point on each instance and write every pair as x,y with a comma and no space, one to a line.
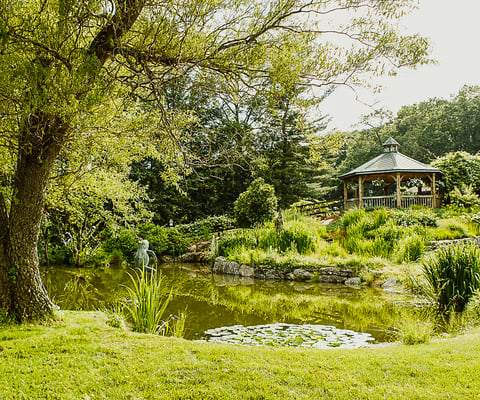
384,175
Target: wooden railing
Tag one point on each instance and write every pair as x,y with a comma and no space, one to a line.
320,208
391,201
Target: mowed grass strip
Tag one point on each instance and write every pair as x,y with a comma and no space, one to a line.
83,358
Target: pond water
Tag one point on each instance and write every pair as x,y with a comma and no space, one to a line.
227,308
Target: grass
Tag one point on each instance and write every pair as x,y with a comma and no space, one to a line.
83,358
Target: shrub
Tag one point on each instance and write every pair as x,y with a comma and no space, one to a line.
257,204
122,245
157,237
453,276
464,196
203,229
352,217
176,242
297,241
450,229
416,330
460,168
231,244
423,217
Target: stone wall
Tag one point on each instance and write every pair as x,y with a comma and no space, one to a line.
323,274
436,244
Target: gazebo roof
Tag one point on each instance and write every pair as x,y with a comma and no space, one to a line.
391,161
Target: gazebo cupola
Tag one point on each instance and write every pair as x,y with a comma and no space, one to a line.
391,146
385,174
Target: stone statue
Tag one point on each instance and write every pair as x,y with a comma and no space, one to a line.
141,256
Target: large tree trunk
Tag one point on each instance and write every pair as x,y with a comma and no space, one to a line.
22,293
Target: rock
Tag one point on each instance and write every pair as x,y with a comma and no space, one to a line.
353,282
290,277
204,246
246,271
223,266
193,257
325,274
273,275
335,275
389,284
302,275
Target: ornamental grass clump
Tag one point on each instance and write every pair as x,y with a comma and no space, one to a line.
410,248
452,276
147,303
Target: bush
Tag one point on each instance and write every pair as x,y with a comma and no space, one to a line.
460,168
203,229
231,244
256,205
464,196
157,237
450,229
121,245
453,276
416,330
176,242
423,217
297,241
352,217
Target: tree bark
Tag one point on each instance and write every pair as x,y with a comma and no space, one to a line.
23,294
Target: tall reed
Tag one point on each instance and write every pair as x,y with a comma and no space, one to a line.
148,301
453,276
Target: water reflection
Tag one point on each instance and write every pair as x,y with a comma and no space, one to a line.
213,301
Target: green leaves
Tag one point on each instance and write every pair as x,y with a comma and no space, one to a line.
147,303
257,204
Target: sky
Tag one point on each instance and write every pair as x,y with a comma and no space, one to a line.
453,29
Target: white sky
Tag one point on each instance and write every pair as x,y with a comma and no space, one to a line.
453,28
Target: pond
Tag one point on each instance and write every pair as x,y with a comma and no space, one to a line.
227,308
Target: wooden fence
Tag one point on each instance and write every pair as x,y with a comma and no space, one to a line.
320,209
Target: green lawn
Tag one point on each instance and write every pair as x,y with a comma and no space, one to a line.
83,358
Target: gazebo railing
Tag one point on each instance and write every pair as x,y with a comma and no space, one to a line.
391,201
419,200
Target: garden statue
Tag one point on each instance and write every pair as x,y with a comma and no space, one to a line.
141,256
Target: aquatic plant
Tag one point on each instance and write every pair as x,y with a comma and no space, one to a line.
452,276
148,300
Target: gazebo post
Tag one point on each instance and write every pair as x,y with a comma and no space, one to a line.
345,195
398,179
360,191
434,192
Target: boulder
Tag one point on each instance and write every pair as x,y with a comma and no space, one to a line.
302,275
196,257
389,284
353,282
